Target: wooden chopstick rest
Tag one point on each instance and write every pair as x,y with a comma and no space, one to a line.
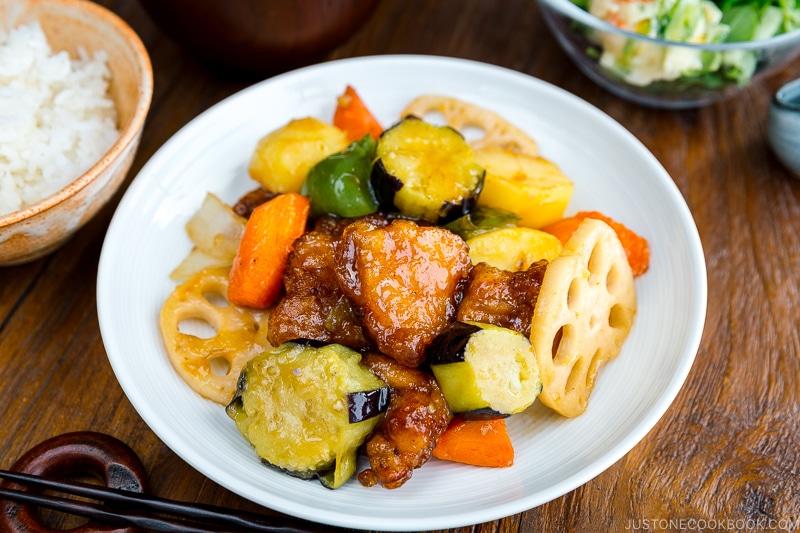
71,454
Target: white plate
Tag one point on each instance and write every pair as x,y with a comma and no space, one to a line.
613,173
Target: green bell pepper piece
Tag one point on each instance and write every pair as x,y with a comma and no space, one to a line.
340,183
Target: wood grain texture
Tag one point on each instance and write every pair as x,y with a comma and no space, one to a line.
724,453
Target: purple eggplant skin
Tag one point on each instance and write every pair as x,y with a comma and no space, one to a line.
486,413
304,474
325,476
366,404
448,346
453,210
450,156
384,185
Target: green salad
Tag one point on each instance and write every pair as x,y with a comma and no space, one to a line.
690,21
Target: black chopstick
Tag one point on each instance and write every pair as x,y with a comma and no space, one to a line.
127,508
110,517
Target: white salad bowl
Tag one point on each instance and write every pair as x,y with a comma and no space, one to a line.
698,65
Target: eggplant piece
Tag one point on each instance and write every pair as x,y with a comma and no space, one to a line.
426,171
307,409
485,371
361,405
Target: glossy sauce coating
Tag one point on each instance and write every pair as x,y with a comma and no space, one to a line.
406,279
502,298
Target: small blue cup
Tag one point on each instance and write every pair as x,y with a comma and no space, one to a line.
784,126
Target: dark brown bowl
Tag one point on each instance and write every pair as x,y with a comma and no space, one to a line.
260,35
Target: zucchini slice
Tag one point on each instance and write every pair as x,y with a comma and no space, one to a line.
307,409
485,371
426,171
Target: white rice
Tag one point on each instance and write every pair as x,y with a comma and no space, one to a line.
56,117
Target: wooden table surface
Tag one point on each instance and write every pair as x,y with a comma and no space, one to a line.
724,456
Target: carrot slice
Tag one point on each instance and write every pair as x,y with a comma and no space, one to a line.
353,116
476,442
256,277
636,247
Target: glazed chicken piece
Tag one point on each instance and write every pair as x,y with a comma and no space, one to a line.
405,279
314,307
502,298
417,415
